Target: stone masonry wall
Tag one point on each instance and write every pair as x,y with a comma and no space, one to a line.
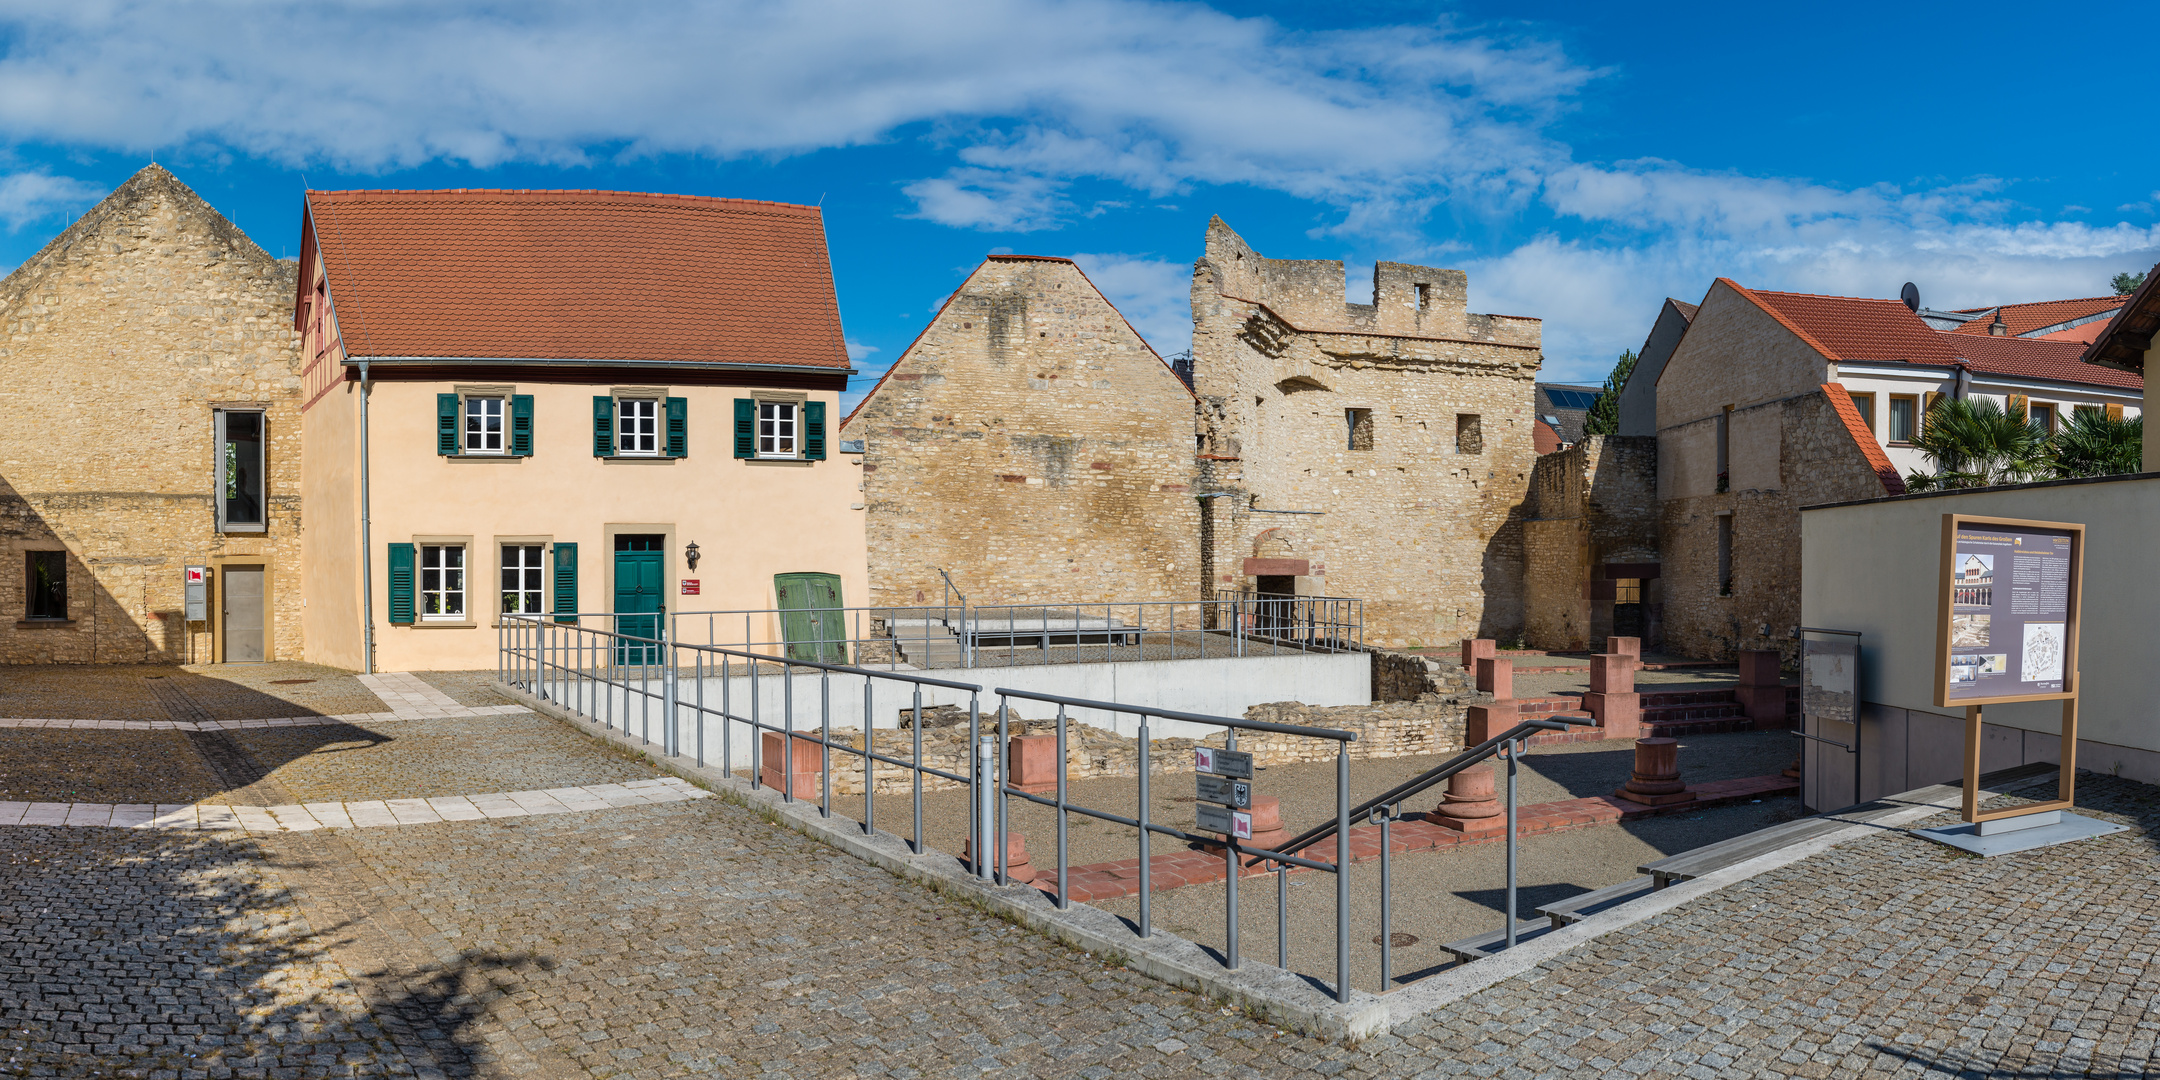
1032,445
1413,506
1819,463
1431,725
1591,504
122,336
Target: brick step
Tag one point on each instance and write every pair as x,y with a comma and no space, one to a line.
1683,728
1674,698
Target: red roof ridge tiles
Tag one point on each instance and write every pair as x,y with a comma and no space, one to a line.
544,194
1842,403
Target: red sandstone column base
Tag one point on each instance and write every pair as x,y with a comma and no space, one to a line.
1032,760
1482,722
1619,716
1657,775
808,765
1470,805
1016,857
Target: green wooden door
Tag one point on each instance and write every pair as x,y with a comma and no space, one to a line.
811,620
637,596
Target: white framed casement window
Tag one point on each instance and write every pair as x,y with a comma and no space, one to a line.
240,488
442,582
484,425
524,579
777,430
637,427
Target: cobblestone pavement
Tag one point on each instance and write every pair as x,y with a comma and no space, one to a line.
698,938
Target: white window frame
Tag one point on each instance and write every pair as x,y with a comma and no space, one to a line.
779,429
504,567
627,427
443,593
466,432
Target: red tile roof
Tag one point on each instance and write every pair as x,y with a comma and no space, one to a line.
1862,437
2025,318
1855,328
2038,358
579,275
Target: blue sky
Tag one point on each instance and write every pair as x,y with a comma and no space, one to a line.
1580,161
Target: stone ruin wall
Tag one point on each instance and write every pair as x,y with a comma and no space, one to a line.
1424,527
1032,445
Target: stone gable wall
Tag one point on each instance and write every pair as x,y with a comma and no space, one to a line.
1591,504
1032,445
1819,463
1429,537
121,337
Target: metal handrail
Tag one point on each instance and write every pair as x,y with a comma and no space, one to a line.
1170,714
1437,773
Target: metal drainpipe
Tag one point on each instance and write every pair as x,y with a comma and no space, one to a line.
367,567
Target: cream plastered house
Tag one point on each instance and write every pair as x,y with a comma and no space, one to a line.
535,402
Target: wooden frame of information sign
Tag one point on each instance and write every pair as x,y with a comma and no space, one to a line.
1964,671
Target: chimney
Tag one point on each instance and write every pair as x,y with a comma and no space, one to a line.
1997,328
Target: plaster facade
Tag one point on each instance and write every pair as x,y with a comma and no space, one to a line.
1379,451
125,335
1030,444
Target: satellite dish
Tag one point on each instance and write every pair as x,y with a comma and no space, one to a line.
1911,295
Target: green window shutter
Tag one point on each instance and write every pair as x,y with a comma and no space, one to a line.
521,425
603,427
745,428
813,427
566,583
446,428
401,582
678,427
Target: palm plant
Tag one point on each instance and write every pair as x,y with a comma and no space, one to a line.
2091,444
1974,442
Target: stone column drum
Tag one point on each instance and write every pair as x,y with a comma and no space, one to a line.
1612,698
1016,856
1657,775
1487,719
1470,805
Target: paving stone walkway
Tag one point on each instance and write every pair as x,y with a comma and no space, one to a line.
696,938
374,813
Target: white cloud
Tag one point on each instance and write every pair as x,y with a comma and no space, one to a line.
1154,295
1033,104
856,350
28,197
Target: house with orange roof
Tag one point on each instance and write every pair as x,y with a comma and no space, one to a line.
2126,341
1773,401
558,403
2078,320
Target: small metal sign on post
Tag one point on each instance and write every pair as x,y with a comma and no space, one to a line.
1236,794
1235,763
1222,819
196,582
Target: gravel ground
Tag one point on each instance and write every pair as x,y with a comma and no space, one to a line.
41,765
1440,896
1307,791
422,759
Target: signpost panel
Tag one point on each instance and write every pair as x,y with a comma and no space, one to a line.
1222,819
1236,794
1237,763
2007,630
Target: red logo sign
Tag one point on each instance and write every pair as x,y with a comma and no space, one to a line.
689,586
194,575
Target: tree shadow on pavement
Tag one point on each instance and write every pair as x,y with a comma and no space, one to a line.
157,953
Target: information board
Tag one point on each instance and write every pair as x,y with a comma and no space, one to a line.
2009,604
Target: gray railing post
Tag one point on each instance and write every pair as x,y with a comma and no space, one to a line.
1514,752
825,736
1342,874
1230,873
996,776
1064,899
869,763
1386,817
1147,884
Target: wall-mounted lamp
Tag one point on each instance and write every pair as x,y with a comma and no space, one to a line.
690,555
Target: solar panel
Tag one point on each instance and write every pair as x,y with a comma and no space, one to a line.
1571,399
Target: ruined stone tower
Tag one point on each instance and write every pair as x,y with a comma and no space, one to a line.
1380,451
